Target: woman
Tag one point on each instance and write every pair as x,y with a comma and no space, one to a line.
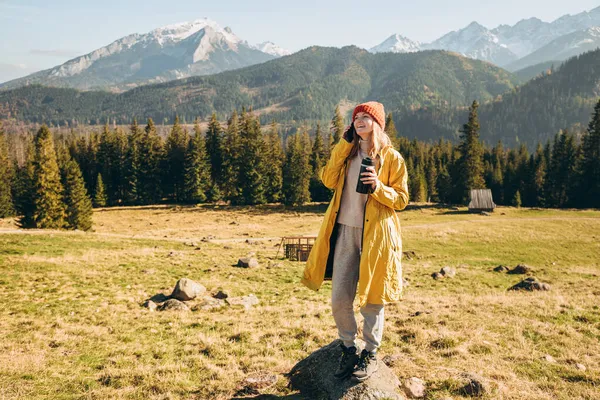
359,242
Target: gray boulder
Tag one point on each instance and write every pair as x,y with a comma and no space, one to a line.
501,268
313,376
437,276
414,388
475,386
531,284
186,289
173,305
448,272
520,269
150,305
247,262
209,304
244,301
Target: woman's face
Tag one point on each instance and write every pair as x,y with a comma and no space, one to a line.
363,123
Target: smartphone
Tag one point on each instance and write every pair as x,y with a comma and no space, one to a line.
351,132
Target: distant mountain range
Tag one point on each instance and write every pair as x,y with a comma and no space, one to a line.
427,91
533,113
528,42
304,86
202,47
177,51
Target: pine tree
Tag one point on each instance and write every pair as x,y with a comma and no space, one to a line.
175,149
6,178
296,172
337,126
318,191
252,162
562,176
151,149
539,177
107,163
517,199
119,172
443,185
590,163
390,129
132,164
274,163
231,161
78,203
49,209
24,190
431,173
197,172
471,150
214,151
100,193
418,187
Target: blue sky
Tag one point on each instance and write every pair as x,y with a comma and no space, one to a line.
39,34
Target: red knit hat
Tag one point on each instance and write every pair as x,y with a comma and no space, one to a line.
374,109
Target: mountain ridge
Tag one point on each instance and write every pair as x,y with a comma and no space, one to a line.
173,51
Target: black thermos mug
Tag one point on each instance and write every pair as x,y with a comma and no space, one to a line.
360,186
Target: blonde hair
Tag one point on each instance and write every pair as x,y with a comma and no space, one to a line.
380,141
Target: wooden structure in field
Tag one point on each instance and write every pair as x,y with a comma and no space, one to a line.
481,200
297,248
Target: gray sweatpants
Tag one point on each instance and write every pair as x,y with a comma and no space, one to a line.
346,261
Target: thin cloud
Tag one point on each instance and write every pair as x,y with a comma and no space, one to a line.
55,52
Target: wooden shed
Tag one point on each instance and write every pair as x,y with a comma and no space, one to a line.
481,200
297,248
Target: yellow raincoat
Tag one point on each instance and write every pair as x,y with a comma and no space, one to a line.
380,271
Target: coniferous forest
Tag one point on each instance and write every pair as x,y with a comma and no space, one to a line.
61,176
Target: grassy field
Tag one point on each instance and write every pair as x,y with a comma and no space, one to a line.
72,324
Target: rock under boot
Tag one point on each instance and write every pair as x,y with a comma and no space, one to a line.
347,362
366,366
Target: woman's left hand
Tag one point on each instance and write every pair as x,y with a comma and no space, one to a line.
370,177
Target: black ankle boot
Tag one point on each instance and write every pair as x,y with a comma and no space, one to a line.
347,362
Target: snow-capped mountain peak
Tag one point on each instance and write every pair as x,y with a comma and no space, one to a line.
396,44
272,49
173,51
506,44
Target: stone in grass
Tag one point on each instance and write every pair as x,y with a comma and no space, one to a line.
392,360
409,255
186,289
448,272
549,358
247,262
220,295
437,276
209,304
475,386
150,305
414,388
580,367
501,268
313,376
259,380
173,305
530,284
520,269
243,301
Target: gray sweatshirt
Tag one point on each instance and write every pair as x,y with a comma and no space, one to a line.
352,206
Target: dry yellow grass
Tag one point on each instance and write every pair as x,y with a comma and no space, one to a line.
72,324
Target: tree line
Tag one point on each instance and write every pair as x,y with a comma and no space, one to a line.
244,164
